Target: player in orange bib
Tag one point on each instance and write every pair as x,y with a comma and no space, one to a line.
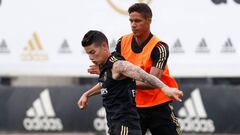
145,50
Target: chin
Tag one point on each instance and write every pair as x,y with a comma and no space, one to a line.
136,34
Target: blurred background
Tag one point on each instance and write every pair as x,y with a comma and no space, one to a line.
43,68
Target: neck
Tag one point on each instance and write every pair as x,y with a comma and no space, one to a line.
141,38
106,57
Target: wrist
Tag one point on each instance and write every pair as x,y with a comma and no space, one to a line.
86,94
164,88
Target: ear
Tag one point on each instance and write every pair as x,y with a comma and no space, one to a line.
105,46
150,20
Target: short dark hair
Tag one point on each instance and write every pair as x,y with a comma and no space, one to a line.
141,8
94,36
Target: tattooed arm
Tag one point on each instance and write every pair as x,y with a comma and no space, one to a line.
129,70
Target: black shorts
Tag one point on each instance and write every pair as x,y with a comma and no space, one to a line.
160,120
128,127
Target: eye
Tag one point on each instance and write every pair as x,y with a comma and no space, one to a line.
92,52
137,20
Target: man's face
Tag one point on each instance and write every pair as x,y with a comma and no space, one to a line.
139,24
97,54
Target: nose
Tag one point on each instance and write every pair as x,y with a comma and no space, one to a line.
133,24
90,57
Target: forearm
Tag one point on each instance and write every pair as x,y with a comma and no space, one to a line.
152,81
153,71
135,72
144,86
93,91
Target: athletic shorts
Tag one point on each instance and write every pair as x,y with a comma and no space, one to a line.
129,127
160,120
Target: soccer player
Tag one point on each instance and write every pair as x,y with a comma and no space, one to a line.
145,50
117,85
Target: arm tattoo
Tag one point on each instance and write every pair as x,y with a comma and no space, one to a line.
128,69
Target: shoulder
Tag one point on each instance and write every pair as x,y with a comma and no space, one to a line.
119,40
161,44
126,37
115,56
160,47
118,45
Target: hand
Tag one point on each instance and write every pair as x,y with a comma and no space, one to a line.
82,102
173,93
94,69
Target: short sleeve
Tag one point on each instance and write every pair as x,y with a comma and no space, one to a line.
160,55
